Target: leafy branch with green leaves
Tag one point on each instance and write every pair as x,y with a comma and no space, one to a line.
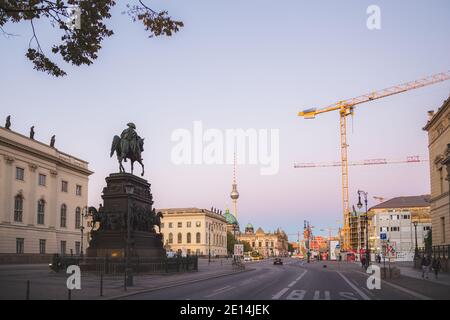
78,46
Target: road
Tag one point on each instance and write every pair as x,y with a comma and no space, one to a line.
294,280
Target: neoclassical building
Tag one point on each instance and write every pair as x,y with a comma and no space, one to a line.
43,194
194,231
266,244
438,128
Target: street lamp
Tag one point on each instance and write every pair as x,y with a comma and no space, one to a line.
129,190
360,192
209,242
84,214
416,251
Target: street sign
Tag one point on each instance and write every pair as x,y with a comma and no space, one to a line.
239,250
383,236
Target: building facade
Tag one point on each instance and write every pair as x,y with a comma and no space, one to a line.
194,231
438,128
357,233
266,244
392,223
43,195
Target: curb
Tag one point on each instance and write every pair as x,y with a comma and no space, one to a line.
174,285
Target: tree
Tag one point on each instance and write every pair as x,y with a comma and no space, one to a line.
81,23
247,246
231,241
290,247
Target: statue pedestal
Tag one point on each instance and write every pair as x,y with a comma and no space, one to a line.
111,237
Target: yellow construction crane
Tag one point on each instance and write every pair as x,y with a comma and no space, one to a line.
345,109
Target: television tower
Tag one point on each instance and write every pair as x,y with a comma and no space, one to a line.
234,193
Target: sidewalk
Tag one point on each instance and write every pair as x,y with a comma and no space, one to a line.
407,269
48,285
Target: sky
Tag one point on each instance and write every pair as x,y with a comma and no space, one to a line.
251,65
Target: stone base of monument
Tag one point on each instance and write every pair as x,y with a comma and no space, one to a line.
127,200
113,244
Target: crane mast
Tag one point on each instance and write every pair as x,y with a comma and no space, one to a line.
345,108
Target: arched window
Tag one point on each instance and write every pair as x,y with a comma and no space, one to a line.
197,237
18,208
41,212
188,237
63,221
78,218
180,237
170,237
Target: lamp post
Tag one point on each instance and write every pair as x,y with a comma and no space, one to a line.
84,214
416,251
209,243
129,190
360,192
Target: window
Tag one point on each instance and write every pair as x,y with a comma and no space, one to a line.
77,247
78,190
198,224
441,180
188,237
63,216
197,237
197,252
170,238
180,224
443,229
42,246
260,244
19,245
271,244
180,238
40,212
42,179
20,173
64,186
162,225
18,208
188,224
63,247
77,218
253,244
267,244
170,225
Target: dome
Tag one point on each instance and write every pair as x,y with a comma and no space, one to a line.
249,226
229,217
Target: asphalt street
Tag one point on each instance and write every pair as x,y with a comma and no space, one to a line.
294,280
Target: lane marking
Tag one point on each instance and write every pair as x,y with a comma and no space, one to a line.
298,279
317,295
301,276
362,294
219,292
279,294
296,295
220,289
413,293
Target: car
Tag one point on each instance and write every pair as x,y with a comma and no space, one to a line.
278,261
248,258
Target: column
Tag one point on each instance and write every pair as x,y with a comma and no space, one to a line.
52,209
31,200
7,187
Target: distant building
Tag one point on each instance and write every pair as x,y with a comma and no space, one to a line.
43,194
194,231
392,222
266,244
357,234
438,128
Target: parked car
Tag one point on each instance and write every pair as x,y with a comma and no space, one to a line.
278,261
248,258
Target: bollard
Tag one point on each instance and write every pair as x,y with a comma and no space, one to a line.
101,285
28,290
69,294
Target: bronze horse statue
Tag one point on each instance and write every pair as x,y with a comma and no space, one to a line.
133,155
